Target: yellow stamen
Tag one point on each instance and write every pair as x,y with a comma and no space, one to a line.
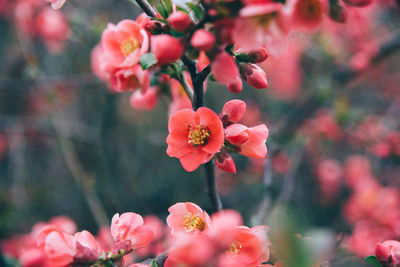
192,222
234,249
199,136
129,45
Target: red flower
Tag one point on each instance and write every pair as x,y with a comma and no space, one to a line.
194,136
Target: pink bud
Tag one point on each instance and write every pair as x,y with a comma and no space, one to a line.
388,252
153,27
203,40
254,75
225,162
166,48
237,134
180,21
382,252
233,111
144,100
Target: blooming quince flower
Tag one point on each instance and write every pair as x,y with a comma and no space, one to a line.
129,227
124,43
194,136
187,217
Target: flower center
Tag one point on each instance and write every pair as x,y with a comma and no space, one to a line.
234,249
192,222
129,45
199,135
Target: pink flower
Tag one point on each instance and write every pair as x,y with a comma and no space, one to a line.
87,248
56,4
187,217
190,250
180,21
124,43
251,33
129,227
251,141
203,40
388,252
144,100
226,71
224,227
58,246
52,26
250,246
129,78
166,48
194,136
306,15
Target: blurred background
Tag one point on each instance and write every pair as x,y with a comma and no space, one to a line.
69,146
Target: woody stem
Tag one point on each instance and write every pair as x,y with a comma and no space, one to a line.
198,79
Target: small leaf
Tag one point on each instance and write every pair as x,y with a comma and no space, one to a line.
373,261
153,263
161,9
147,60
198,12
160,20
168,6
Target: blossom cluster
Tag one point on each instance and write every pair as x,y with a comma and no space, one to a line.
193,238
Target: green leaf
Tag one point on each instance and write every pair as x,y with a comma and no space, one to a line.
198,12
153,263
160,20
168,6
147,60
373,261
161,9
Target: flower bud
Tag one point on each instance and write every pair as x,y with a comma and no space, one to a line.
388,252
166,48
255,56
154,27
203,40
232,111
225,162
180,21
254,75
237,134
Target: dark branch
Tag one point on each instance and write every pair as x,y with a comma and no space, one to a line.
146,7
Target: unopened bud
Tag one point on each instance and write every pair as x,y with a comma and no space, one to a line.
225,162
154,27
254,75
203,40
180,21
